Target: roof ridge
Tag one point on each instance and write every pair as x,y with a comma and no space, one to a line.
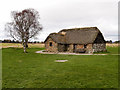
83,28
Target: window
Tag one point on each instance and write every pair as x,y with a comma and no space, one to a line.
85,46
50,44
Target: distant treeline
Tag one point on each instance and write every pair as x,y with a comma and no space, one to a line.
13,41
110,41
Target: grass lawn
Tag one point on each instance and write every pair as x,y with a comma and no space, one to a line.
33,70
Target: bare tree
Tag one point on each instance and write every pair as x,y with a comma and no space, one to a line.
24,25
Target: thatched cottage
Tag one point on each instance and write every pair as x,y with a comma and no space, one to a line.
79,40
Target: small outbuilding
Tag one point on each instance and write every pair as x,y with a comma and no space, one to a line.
78,40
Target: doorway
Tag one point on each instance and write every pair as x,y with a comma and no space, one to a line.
66,46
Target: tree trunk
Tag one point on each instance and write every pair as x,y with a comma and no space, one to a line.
24,47
26,43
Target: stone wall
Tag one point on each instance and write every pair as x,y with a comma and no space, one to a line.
61,47
99,47
79,46
52,48
70,49
89,48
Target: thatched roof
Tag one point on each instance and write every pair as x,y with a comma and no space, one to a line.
57,37
76,35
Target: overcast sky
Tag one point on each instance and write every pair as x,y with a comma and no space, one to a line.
63,14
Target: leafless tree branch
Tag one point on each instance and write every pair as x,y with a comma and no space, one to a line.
24,25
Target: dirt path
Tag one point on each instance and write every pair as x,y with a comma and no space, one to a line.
67,53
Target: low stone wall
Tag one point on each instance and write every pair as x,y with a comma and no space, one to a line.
70,49
89,48
80,46
61,47
99,47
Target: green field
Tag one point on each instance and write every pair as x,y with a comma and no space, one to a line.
32,70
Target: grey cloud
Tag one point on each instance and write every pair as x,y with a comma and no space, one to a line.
60,14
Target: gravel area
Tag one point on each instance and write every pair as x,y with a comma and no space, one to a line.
67,53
